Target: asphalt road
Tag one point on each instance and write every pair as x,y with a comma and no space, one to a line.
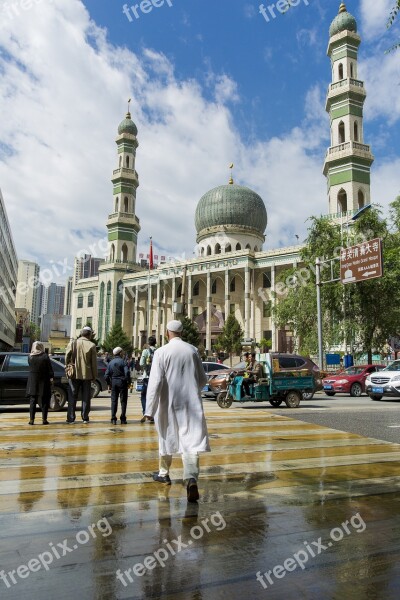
380,420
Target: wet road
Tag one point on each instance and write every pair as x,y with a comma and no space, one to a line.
312,510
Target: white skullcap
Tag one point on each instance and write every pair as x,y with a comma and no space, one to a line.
175,326
87,328
117,350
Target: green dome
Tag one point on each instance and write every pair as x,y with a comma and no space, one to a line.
127,126
231,205
342,22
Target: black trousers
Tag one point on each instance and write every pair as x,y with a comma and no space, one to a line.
119,389
33,400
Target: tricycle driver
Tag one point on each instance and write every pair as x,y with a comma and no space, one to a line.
255,372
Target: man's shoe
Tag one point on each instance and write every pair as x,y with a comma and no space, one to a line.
45,422
31,422
70,422
192,490
143,419
113,421
162,478
123,421
151,421
86,421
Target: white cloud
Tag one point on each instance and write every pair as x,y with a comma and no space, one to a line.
63,90
374,17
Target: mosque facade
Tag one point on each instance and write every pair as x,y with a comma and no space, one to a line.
231,273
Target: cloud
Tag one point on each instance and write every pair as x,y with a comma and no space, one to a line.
374,17
64,92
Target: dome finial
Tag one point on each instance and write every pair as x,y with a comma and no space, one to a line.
128,114
342,8
231,178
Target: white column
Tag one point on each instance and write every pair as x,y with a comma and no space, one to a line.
246,302
209,306
253,305
273,302
158,310
173,293
190,297
137,316
227,296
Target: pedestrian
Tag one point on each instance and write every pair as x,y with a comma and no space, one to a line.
40,380
174,399
118,377
146,361
82,353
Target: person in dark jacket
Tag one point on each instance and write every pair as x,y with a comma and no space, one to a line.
40,380
118,377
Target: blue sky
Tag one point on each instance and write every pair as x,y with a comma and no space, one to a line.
211,82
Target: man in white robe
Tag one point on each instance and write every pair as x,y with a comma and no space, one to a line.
174,401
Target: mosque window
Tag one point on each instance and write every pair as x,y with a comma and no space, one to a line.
341,133
228,248
214,287
112,253
80,301
126,204
124,253
232,309
361,199
101,311
196,289
238,247
208,250
118,304
351,71
116,204
255,249
179,291
355,131
217,249
120,161
195,312
340,71
127,162
79,323
90,300
89,321
108,308
342,201
232,286
266,280
248,247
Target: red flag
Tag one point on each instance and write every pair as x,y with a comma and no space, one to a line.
151,265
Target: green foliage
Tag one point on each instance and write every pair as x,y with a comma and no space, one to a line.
265,344
392,17
361,315
117,337
34,333
190,333
230,338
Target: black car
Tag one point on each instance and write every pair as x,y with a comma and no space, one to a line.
100,385
14,371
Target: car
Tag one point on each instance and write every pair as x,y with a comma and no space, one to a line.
386,383
349,381
218,380
14,369
211,367
100,385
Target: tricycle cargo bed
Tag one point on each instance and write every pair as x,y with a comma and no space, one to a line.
280,382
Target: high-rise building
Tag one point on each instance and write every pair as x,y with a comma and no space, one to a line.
28,289
8,281
86,266
68,296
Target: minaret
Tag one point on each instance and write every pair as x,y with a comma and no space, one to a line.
122,224
348,160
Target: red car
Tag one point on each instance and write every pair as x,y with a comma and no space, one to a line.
350,381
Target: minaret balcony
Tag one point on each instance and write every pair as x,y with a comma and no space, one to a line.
347,149
122,216
345,86
125,173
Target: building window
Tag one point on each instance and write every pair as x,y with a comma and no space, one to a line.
340,71
342,201
232,287
80,301
79,323
124,253
228,248
214,287
118,304
126,204
217,249
267,335
208,250
196,288
179,291
355,131
267,280
238,247
116,204
342,137
90,300
361,200
351,71
127,161
232,309
195,312
89,321
267,306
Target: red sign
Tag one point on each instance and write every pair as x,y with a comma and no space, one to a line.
361,262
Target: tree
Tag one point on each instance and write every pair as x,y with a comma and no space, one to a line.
362,315
392,17
265,344
34,333
117,337
230,338
190,333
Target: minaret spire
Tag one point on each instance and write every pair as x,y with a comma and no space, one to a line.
231,178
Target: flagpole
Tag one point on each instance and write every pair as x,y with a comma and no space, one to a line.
149,294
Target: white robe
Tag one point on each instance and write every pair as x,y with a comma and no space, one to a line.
174,399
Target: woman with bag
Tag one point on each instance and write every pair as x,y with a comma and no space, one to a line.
40,380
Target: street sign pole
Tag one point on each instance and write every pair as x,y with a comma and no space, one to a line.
319,313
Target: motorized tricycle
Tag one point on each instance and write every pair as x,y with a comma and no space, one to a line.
273,387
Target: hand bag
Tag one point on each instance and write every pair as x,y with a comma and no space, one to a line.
70,368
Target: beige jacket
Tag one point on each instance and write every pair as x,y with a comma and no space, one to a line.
86,358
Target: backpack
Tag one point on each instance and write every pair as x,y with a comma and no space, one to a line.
149,361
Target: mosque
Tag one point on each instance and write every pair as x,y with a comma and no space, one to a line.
231,273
